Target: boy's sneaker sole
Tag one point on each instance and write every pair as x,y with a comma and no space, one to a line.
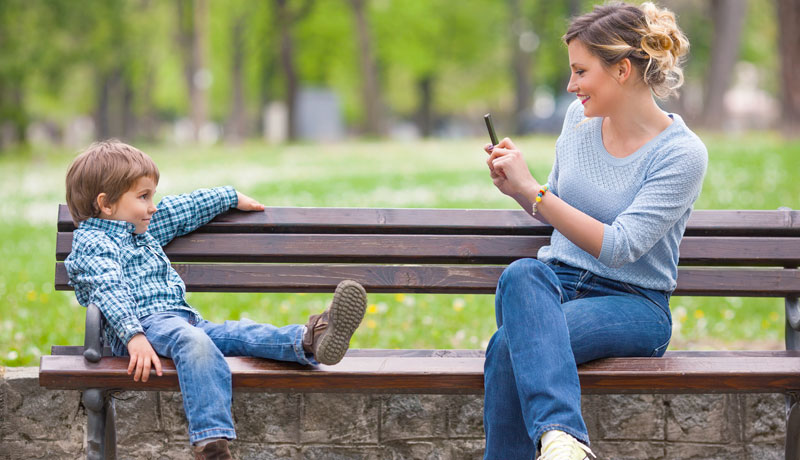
345,314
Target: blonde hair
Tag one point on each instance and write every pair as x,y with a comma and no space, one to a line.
647,35
109,167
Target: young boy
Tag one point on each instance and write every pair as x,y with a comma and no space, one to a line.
117,263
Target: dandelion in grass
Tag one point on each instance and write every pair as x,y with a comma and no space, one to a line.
371,323
458,304
774,316
372,309
399,297
680,313
699,314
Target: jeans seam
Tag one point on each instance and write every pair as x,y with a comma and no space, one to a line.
584,333
298,348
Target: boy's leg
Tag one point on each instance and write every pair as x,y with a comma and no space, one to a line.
324,339
203,373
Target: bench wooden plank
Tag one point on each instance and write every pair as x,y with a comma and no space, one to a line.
771,372
443,279
437,249
454,221
478,353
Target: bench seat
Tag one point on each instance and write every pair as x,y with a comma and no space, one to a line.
453,371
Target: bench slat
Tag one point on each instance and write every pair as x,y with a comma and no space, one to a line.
437,249
444,279
685,373
473,221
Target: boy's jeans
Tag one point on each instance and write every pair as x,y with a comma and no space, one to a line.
550,318
197,347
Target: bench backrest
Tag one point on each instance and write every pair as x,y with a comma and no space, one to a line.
733,253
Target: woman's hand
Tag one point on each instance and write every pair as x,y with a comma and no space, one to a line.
248,204
509,172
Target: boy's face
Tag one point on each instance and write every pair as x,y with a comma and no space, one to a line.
135,206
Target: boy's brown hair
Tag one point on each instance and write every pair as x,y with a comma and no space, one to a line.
111,167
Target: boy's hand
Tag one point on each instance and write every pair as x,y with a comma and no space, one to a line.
142,357
248,204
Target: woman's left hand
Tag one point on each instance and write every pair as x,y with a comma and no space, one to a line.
509,171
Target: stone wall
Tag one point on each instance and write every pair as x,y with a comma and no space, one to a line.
40,424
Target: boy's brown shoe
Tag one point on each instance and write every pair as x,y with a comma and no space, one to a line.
328,334
217,450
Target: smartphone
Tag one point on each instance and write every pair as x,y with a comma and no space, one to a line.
490,126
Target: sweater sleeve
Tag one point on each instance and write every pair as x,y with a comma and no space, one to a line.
181,214
668,192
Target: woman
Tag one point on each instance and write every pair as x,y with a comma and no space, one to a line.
625,177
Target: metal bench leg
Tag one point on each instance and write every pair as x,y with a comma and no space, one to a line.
792,427
100,432
110,440
792,399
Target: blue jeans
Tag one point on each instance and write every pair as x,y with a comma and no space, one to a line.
550,318
198,348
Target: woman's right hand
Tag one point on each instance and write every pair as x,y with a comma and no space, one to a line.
508,170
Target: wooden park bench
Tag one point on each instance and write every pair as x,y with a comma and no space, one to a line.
448,251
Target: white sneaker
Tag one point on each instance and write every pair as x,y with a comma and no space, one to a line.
564,447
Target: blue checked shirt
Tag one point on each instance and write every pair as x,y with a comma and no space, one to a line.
128,276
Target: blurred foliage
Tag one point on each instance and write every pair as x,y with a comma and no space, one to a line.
55,55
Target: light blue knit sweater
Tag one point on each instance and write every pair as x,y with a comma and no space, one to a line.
643,200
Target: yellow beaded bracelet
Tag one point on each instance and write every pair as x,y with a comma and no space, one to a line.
539,196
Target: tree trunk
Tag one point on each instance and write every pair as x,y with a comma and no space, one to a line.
520,66
12,113
128,116
191,38
789,45
370,92
728,16
425,111
109,109
236,121
199,88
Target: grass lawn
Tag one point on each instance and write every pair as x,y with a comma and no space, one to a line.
756,171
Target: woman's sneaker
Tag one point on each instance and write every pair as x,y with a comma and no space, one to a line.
562,446
328,334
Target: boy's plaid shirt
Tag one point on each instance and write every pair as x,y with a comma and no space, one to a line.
128,276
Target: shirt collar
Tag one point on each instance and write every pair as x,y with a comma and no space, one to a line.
108,226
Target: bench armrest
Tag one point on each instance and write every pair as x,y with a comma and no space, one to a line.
93,339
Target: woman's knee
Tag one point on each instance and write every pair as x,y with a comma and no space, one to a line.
525,271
